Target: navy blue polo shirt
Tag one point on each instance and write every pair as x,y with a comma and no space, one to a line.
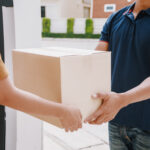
129,42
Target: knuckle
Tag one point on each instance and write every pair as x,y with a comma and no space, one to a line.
66,129
95,115
80,126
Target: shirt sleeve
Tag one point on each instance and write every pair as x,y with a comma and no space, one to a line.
105,34
3,70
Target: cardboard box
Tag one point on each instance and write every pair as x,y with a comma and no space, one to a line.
63,75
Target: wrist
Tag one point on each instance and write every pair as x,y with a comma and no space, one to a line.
125,99
56,110
60,111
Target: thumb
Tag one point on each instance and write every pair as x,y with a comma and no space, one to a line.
99,96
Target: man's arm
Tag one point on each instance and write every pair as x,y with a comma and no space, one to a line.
113,102
137,94
26,102
102,46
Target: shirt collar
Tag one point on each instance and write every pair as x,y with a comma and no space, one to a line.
131,8
147,11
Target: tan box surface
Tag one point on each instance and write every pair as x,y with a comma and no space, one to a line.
63,75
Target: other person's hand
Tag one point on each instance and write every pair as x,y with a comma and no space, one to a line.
111,105
71,118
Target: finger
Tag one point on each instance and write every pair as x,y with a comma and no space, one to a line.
80,124
90,118
99,96
99,120
76,129
94,116
66,129
70,126
72,129
95,96
108,119
74,126
81,116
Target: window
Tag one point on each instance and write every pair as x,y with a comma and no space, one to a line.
86,1
43,11
7,3
87,12
109,7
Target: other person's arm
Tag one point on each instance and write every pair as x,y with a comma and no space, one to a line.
102,46
113,102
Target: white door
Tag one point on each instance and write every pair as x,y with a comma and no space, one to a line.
22,29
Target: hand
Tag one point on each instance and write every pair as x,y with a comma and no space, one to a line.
71,118
111,105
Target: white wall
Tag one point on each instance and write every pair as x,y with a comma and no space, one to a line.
98,25
63,8
27,23
89,44
28,35
58,25
72,8
9,44
49,1
53,10
79,26
22,131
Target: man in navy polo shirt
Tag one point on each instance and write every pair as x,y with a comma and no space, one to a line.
127,35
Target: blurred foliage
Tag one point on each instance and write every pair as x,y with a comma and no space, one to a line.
70,30
89,26
66,35
70,25
46,25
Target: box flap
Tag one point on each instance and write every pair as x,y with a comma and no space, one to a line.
59,51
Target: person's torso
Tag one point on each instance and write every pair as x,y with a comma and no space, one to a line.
130,46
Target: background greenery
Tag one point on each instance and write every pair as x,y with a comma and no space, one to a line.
70,25
46,25
89,26
70,30
66,35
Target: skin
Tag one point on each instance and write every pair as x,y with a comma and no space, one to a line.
113,102
13,97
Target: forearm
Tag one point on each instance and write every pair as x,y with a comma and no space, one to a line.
137,94
102,46
70,117
27,102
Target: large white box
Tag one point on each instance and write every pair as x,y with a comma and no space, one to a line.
63,75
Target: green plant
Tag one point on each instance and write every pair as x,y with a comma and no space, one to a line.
70,25
66,35
46,25
89,26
